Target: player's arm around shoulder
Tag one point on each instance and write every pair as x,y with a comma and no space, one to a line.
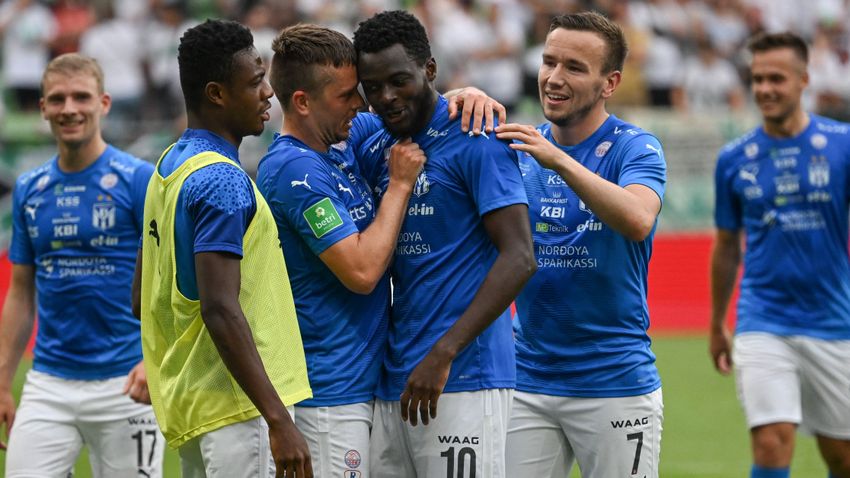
630,210
360,259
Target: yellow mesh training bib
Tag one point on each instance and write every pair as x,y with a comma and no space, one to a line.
191,390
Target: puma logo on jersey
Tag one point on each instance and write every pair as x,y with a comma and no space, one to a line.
748,176
344,189
30,209
301,183
154,232
653,148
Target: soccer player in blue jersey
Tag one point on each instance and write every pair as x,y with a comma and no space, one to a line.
463,254
337,260
337,244
76,226
221,370
784,188
587,386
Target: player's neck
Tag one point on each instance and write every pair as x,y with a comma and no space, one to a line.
788,127
298,129
73,159
209,121
575,132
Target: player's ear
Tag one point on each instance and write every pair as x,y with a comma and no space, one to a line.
214,93
612,81
301,102
431,69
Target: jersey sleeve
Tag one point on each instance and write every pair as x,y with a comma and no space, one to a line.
220,202
727,206
491,173
20,250
308,197
644,164
138,189
363,127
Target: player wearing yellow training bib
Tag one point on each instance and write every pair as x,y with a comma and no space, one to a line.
219,332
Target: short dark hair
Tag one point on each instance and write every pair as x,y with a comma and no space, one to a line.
763,42
299,50
610,32
206,54
386,29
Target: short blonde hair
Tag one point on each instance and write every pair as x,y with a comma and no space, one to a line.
71,63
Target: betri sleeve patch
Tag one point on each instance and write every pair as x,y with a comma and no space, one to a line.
322,217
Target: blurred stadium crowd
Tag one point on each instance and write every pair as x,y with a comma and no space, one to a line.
686,60
684,53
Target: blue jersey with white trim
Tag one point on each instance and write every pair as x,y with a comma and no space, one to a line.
790,196
81,233
318,199
444,252
582,319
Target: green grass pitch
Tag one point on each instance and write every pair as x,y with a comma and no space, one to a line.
704,433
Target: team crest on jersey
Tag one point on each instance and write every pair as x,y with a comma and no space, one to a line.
103,216
42,182
108,180
352,458
751,150
603,148
819,171
351,474
818,141
422,185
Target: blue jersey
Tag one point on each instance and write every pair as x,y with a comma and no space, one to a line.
81,232
215,205
444,253
790,197
318,199
582,318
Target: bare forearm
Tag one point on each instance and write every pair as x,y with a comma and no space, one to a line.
16,328
617,207
724,271
502,284
136,295
232,337
377,242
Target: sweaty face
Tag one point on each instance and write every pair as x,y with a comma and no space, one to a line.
73,105
248,94
570,78
398,89
778,80
333,108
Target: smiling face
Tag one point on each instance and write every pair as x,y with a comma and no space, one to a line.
73,104
571,81
247,93
778,79
398,88
336,104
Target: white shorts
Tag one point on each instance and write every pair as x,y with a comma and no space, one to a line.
609,437
795,379
466,439
239,450
338,438
56,417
